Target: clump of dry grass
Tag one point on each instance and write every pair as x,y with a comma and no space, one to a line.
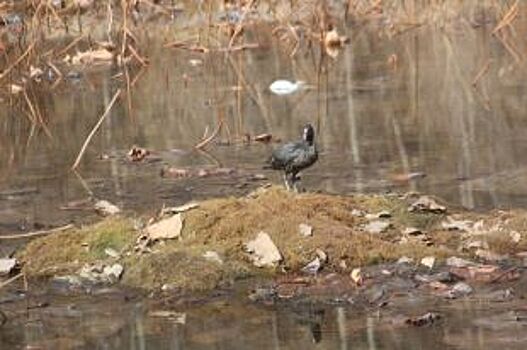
224,226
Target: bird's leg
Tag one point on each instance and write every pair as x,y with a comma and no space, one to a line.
286,182
294,180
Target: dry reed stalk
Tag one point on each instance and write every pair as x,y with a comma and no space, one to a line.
157,7
70,45
508,46
215,133
37,233
18,60
94,130
30,105
481,72
128,90
507,18
11,280
137,76
124,10
143,61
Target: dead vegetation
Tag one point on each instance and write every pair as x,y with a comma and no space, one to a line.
223,226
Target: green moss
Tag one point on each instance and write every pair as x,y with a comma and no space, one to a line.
66,251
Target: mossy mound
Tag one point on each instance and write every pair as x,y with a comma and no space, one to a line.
64,252
225,225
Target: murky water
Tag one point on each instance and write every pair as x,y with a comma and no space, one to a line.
384,108
109,322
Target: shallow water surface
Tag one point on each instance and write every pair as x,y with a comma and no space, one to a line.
384,108
107,322
378,119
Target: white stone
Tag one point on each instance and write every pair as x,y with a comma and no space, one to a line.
166,229
263,252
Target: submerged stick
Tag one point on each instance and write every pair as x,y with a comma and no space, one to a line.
37,233
95,128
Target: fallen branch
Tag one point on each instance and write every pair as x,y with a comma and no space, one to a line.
37,233
95,128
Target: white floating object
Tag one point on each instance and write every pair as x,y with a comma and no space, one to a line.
285,87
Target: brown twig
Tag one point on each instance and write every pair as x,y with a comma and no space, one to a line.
11,280
482,72
70,45
90,135
205,142
19,59
141,60
37,233
508,18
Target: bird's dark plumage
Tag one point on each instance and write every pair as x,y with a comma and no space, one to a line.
293,157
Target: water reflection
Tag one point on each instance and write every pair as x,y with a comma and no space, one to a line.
111,324
385,107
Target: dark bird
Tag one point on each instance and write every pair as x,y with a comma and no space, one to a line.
294,157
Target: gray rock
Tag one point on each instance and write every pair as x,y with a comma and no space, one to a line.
454,261
426,204
377,226
460,289
113,273
106,208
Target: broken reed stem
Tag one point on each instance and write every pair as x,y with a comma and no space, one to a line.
95,128
19,59
70,45
482,72
507,18
141,60
37,233
211,137
239,26
11,280
128,90
124,9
